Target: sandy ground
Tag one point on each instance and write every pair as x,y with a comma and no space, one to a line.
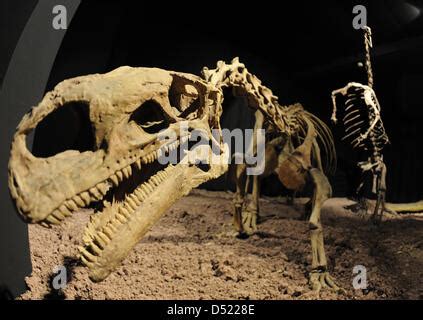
192,254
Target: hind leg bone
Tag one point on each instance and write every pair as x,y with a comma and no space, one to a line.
250,215
319,275
239,198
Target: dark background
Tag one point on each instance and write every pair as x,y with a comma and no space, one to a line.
302,50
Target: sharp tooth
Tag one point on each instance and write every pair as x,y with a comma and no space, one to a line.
65,211
103,236
100,241
112,226
52,219
144,193
86,262
135,199
96,193
138,164
119,175
121,217
103,187
131,203
155,180
87,237
79,201
145,189
151,184
126,172
124,211
58,215
140,194
108,232
86,197
115,223
115,180
71,205
144,159
95,248
90,257
45,224
159,177
148,187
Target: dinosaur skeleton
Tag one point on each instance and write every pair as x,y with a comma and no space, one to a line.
293,154
130,109
364,127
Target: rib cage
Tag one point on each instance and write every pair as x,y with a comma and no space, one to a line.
291,120
362,123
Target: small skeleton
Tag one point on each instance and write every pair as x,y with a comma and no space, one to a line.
364,127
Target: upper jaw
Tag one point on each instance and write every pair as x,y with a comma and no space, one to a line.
66,201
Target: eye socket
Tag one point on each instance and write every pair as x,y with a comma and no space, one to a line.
66,128
185,98
150,117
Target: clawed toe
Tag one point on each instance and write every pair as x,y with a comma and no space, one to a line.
249,222
319,280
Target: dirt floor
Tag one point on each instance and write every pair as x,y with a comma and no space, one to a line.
192,254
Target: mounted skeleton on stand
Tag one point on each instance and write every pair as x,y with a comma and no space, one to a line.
364,128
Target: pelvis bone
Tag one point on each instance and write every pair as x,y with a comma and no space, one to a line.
121,174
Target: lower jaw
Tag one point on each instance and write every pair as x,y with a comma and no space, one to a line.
130,233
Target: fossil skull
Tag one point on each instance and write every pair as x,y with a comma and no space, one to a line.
129,110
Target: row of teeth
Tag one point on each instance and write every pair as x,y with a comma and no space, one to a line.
79,201
98,192
95,241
